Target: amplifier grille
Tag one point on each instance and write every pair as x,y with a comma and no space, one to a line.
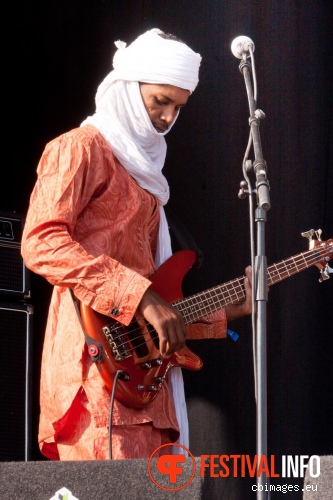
14,276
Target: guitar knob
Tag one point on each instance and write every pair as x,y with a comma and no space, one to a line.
152,388
124,376
159,379
156,362
140,387
145,366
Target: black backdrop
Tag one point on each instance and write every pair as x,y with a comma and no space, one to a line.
57,52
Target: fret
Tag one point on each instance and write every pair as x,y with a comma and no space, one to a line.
295,267
240,290
227,295
305,262
208,301
217,294
192,309
273,275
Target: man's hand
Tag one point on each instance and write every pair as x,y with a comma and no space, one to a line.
243,308
167,321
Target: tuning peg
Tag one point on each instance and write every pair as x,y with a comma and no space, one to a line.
309,234
318,234
324,273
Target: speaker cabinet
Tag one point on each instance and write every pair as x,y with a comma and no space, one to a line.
96,479
321,486
15,381
15,278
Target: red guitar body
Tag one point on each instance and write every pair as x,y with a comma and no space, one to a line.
137,354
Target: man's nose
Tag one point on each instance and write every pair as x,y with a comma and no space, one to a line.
168,115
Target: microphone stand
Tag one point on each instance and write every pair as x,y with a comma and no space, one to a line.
260,292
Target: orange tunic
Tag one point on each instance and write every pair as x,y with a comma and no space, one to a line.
91,228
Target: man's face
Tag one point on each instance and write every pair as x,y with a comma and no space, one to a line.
163,103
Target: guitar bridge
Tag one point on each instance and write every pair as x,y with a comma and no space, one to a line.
114,335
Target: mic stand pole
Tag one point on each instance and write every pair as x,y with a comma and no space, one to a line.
260,274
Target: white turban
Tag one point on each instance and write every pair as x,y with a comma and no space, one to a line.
122,119
154,59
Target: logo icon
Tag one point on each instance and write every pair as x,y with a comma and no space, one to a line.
171,472
63,494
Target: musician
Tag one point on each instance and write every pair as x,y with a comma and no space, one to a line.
96,225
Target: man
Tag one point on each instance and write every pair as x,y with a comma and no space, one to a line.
96,225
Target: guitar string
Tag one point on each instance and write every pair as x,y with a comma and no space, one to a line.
229,286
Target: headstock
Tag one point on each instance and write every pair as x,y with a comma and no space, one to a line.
325,248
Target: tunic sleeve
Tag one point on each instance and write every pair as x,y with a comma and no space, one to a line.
71,176
213,326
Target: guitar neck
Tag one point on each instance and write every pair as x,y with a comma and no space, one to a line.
232,292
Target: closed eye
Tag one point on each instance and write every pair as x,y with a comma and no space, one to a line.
160,103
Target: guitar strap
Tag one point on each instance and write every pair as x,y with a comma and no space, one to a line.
95,348
182,234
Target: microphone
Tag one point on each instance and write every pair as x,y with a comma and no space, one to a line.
240,46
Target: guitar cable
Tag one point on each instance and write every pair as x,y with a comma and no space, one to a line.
122,375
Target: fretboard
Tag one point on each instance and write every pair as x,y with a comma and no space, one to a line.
211,300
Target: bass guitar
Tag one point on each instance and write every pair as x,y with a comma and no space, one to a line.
133,351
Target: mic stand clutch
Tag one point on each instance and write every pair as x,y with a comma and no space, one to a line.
260,292
259,165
